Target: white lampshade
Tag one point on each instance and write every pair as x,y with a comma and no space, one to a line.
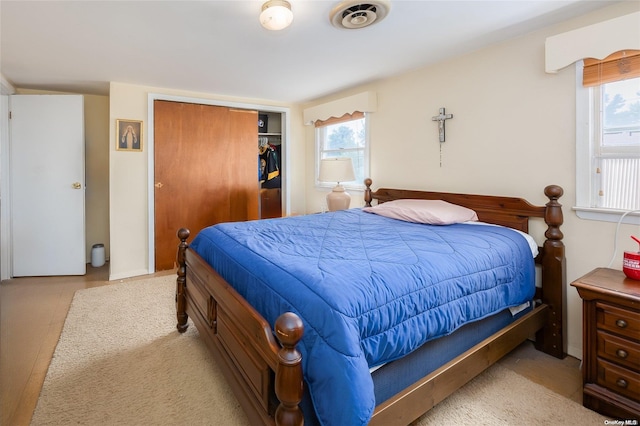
337,170
276,15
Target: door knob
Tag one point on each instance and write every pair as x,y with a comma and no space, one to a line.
76,185
159,185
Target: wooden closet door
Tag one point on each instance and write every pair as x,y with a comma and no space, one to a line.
206,170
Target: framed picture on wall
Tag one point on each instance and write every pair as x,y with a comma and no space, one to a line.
129,135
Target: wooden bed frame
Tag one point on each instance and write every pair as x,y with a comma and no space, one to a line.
265,373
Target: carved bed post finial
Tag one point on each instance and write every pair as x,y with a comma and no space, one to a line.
367,192
289,382
181,281
551,338
553,214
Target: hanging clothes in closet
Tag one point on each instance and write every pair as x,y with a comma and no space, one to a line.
269,164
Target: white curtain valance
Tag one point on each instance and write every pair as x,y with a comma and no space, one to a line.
595,41
363,102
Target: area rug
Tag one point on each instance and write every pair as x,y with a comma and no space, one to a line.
121,361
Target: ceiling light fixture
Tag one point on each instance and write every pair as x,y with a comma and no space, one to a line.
276,15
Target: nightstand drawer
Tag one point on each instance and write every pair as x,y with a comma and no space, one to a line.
621,351
618,379
619,321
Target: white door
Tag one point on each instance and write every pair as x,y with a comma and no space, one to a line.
47,185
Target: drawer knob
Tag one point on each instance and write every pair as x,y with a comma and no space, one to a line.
621,323
622,353
622,383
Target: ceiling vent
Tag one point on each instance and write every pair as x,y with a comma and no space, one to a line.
359,13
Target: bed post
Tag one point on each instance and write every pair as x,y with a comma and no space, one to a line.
289,380
551,338
367,192
181,281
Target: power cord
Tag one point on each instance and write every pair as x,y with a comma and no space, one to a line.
615,238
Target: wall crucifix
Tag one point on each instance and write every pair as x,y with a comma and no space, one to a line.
440,118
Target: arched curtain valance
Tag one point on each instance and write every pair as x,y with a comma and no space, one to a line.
362,102
595,41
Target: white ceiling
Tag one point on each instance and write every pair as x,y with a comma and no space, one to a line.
219,47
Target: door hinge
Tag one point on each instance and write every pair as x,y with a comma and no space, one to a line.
9,115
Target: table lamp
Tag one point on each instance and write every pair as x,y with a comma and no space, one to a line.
337,169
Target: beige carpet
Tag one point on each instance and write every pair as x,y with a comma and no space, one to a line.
120,361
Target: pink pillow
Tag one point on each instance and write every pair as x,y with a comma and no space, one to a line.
433,212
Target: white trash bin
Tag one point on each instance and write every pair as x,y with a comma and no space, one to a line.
97,255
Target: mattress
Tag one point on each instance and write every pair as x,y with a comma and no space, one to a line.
368,289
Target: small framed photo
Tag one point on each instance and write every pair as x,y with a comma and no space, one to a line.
129,135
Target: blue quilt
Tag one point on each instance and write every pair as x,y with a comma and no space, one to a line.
368,289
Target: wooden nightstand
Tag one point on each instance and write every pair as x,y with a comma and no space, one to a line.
611,343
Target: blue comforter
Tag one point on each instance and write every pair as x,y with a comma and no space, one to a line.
368,289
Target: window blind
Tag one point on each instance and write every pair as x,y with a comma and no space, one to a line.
620,183
335,120
617,66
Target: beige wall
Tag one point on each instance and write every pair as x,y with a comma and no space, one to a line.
128,210
96,118
513,133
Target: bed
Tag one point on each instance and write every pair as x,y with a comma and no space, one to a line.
294,352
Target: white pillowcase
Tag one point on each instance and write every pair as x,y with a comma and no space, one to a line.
533,245
432,212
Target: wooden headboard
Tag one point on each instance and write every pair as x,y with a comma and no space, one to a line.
506,211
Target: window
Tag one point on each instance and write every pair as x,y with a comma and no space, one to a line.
617,155
346,136
608,136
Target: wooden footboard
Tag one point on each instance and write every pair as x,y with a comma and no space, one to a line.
264,373
263,367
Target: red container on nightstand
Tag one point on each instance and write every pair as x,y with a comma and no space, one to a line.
631,265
